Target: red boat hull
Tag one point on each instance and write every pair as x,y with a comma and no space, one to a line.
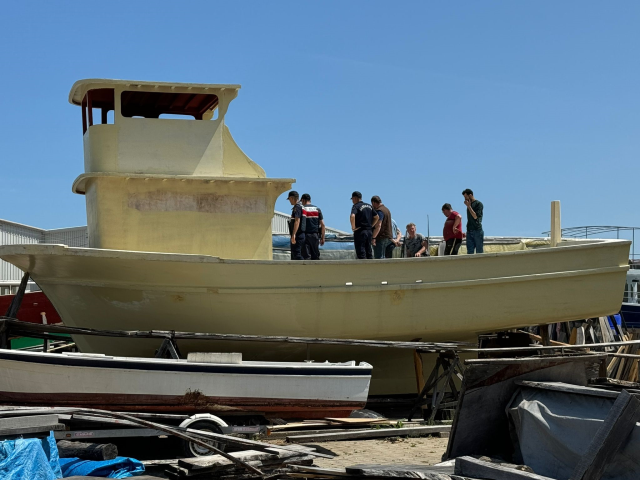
31,308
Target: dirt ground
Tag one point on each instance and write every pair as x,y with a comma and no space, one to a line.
414,451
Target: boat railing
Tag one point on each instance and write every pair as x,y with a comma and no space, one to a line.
607,231
632,294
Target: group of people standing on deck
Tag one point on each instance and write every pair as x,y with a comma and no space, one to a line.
376,234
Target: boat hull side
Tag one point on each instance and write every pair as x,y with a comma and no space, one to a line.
434,299
36,383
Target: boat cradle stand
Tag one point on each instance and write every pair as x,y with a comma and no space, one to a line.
439,392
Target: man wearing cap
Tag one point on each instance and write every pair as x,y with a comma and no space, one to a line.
313,229
296,229
363,219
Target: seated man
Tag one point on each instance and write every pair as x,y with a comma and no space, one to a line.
415,245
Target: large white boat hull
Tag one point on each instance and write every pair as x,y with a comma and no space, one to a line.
432,299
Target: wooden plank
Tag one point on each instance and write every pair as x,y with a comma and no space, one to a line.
474,468
534,361
298,425
321,472
555,235
209,461
28,421
544,335
369,433
249,443
38,331
574,336
435,472
87,451
31,430
287,433
417,363
538,338
569,388
552,347
615,429
356,421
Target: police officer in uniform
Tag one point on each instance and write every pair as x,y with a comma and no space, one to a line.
296,228
363,219
313,224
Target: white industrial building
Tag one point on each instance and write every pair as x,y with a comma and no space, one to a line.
12,233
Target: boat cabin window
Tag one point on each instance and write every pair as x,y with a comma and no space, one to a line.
163,105
97,108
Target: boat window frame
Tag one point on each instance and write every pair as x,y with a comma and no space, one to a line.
153,112
105,107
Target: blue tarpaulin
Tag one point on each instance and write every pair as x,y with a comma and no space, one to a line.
120,467
30,458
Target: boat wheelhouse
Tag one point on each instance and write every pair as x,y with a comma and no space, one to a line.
163,173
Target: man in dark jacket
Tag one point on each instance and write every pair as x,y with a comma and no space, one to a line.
296,230
383,232
313,228
363,220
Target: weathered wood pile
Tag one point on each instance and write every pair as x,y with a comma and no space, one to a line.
272,461
594,331
621,367
462,468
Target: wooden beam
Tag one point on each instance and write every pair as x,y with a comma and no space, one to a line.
417,362
556,229
370,433
615,429
474,468
538,338
568,388
544,334
87,451
36,331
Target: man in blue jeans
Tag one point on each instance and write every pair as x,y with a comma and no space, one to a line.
475,234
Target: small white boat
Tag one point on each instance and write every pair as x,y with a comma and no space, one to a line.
200,383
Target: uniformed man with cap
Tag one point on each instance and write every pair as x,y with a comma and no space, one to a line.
314,230
363,219
296,229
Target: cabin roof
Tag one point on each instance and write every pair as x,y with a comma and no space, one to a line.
81,86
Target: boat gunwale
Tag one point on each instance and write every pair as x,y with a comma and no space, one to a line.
64,250
362,369
79,184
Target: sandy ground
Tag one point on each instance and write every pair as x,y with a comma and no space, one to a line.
415,451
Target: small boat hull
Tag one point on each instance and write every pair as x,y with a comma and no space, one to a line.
300,390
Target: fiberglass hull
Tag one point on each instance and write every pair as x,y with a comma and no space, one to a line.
434,299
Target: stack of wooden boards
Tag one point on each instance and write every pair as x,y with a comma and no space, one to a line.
598,330
462,468
336,429
273,461
621,368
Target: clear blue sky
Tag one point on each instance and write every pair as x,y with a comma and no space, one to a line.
524,102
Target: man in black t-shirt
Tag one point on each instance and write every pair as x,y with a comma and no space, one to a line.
363,219
296,230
